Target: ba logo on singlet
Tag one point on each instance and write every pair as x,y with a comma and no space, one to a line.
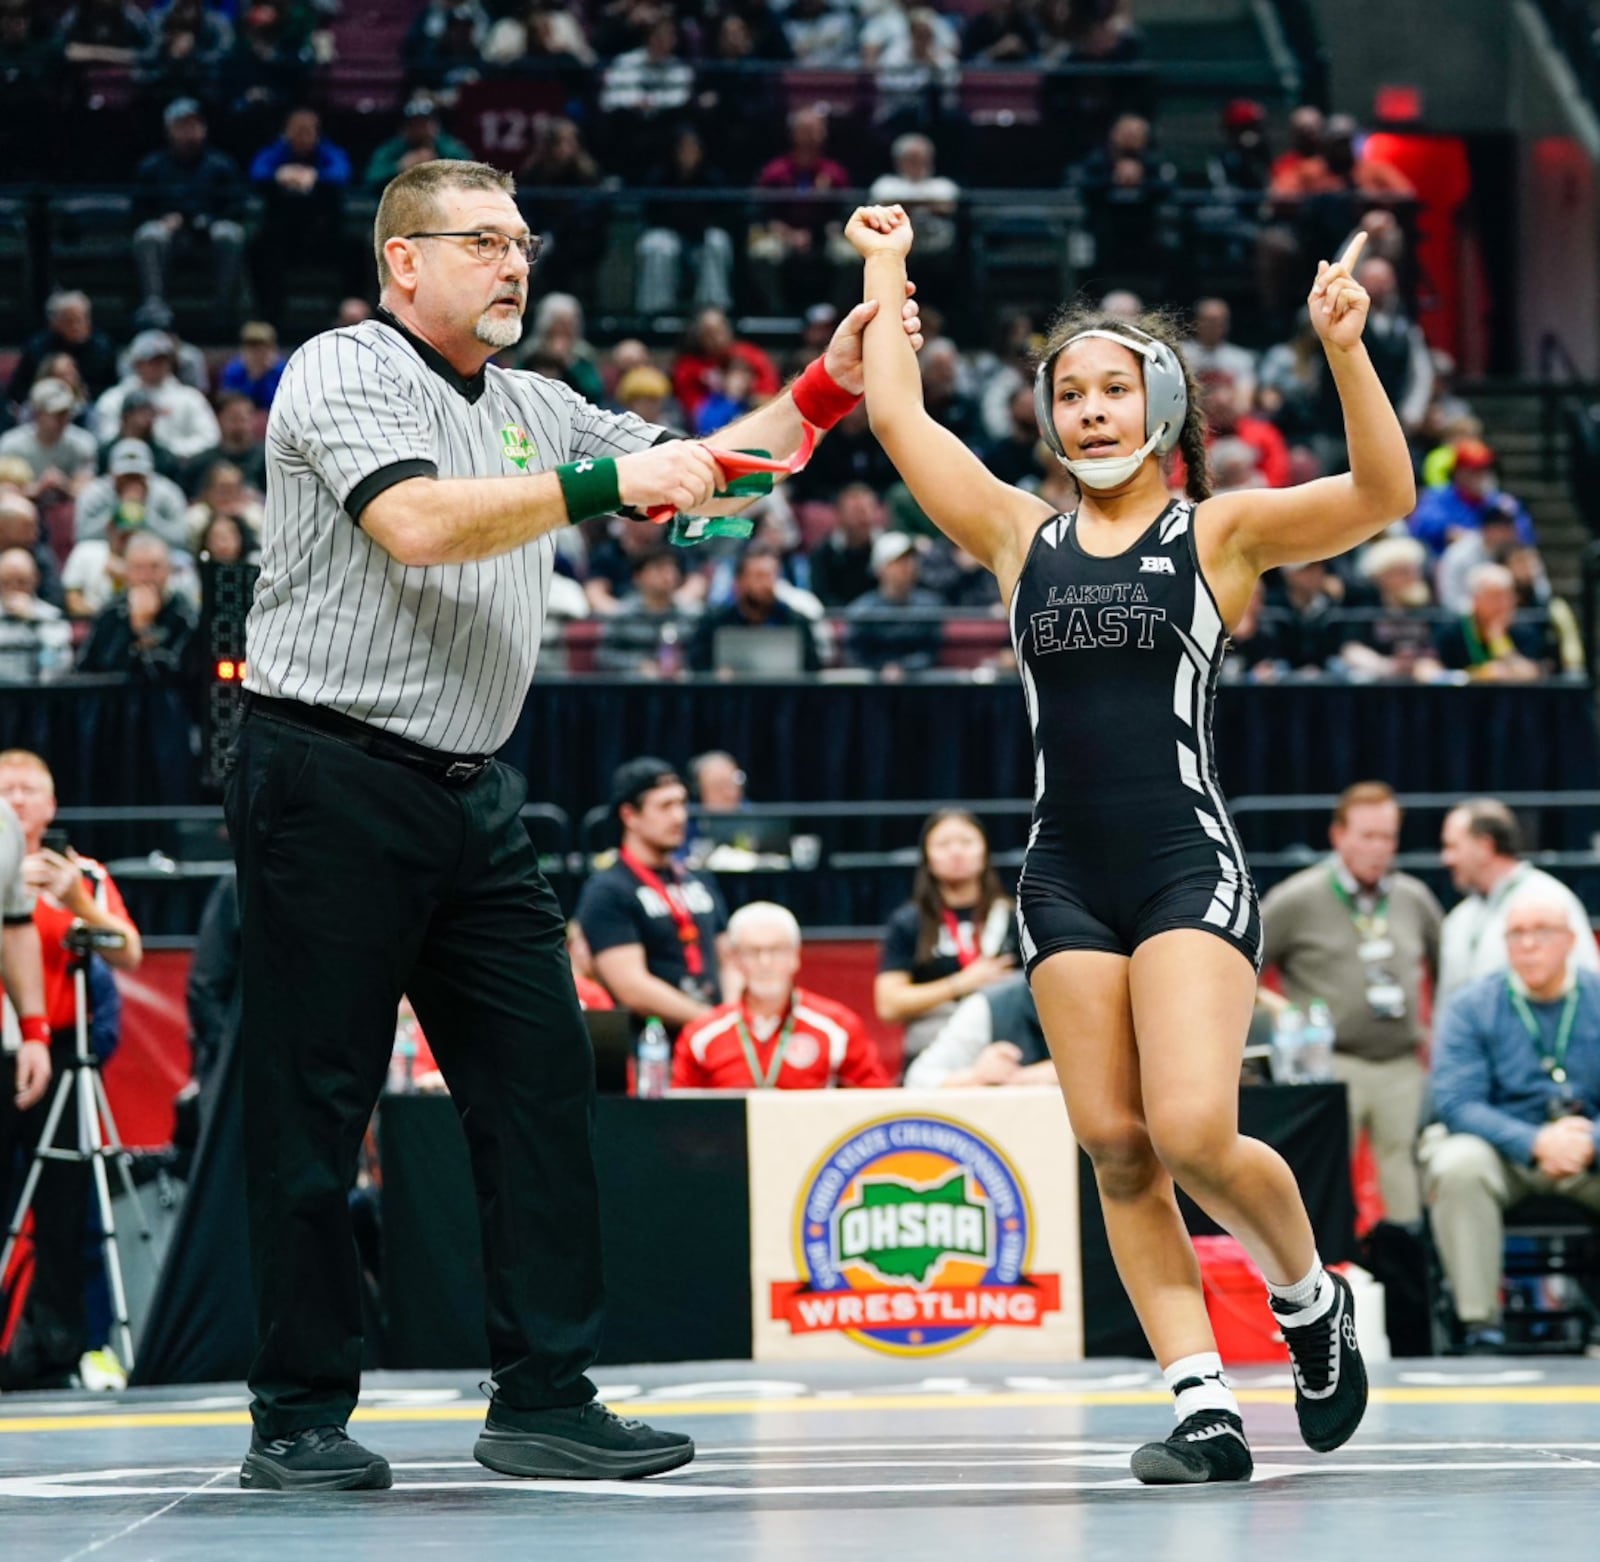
1159,564
1097,618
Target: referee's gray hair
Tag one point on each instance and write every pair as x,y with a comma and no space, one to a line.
763,913
411,199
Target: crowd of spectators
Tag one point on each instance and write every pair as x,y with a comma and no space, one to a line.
152,434
662,97
159,446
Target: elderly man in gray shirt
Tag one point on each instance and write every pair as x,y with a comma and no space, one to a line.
1357,935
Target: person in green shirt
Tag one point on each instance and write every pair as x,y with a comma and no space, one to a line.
421,140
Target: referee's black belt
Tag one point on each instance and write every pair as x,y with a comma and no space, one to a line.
447,769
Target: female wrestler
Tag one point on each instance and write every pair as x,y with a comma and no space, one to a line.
1137,917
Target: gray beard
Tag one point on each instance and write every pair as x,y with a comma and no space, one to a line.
497,333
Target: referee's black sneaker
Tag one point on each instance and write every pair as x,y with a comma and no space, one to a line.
323,1458
1330,1379
1207,1446
576,1443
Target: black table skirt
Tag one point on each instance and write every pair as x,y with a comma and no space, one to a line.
675,1208
115,744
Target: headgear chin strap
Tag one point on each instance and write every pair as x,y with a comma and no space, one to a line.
1166,405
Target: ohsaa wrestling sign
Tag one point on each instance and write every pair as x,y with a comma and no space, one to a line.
913,1235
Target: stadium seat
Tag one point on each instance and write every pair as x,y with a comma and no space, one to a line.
1001,97
842,93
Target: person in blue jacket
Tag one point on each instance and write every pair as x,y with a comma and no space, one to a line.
1516,1086
302,178
1460,506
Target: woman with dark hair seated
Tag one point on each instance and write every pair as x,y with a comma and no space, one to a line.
955,936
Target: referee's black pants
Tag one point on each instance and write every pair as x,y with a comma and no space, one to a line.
360,880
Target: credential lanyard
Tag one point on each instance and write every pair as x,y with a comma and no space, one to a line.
677,903
1555,1067
766,1080
964,937
1368,926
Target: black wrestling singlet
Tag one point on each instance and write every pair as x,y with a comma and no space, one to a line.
1119,659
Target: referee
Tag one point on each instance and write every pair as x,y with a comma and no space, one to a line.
413,494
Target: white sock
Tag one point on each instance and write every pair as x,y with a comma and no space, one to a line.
1205,1385
1306,1300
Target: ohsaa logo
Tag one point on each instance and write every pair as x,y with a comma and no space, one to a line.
913,1236
517,447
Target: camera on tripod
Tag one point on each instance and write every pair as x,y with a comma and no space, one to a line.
81,939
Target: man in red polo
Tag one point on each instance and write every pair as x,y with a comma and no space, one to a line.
777,1036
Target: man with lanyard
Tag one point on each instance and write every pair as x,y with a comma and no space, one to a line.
1359,936
655,927
1481,845
777,1036
1516,1082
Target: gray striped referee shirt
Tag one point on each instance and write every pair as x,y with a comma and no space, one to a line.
441,655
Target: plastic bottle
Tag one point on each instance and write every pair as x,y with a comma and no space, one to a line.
1288,1043
669,651
1316,1050
655,1062
55,649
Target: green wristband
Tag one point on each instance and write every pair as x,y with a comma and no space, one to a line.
590,488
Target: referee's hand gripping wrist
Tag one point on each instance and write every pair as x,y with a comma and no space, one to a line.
680,473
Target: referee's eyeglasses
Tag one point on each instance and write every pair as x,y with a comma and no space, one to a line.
490,246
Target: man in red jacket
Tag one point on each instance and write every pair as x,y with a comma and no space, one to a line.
777,1036
711,347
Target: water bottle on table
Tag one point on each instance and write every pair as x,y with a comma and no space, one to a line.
655,1062
1316,1052
1288,1043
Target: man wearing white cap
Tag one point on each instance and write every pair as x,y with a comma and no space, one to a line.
134,490
887,647
59,453
185,423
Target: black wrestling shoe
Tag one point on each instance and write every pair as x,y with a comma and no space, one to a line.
1330,1379
1207,1446
324,1458
576,1443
